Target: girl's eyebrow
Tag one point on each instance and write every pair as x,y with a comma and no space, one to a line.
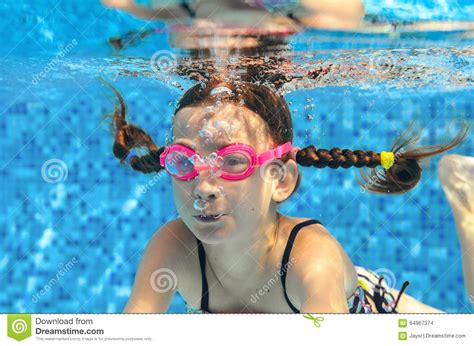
218,144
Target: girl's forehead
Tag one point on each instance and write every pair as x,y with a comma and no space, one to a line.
221,125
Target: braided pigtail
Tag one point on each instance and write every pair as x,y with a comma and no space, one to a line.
402,170
128,136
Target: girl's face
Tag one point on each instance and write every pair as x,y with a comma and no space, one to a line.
244,204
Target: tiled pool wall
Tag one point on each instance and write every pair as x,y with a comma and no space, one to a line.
74,245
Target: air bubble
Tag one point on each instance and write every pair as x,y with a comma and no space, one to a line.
200,204
212,157
196,159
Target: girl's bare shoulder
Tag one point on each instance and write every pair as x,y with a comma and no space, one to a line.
314,232
316,249
314,242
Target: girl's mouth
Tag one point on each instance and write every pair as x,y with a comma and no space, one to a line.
209,218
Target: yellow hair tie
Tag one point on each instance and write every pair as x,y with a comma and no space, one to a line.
387,158
362,283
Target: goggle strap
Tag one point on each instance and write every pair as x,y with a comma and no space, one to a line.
276,153
163,155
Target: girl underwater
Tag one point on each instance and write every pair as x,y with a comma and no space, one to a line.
232,161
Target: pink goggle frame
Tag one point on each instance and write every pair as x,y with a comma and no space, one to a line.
169,159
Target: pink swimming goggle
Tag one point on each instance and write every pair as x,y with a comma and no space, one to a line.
232,162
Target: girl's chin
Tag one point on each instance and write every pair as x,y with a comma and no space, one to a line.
211,236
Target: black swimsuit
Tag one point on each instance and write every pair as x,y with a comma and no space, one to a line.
282,273
370,284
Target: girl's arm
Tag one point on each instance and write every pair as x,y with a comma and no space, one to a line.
323,289
166,12
156,280
316,279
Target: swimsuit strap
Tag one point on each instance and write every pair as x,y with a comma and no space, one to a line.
282,271
286,256
382,304
378,298
404,286
185,6
293,18
205,290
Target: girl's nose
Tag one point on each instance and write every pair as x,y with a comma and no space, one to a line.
205,188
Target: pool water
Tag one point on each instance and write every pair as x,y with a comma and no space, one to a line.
74,223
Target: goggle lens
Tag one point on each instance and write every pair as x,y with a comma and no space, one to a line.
235,163
179,164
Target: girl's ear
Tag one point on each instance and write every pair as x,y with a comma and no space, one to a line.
286,180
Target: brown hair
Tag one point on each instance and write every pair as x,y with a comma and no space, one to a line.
404,174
